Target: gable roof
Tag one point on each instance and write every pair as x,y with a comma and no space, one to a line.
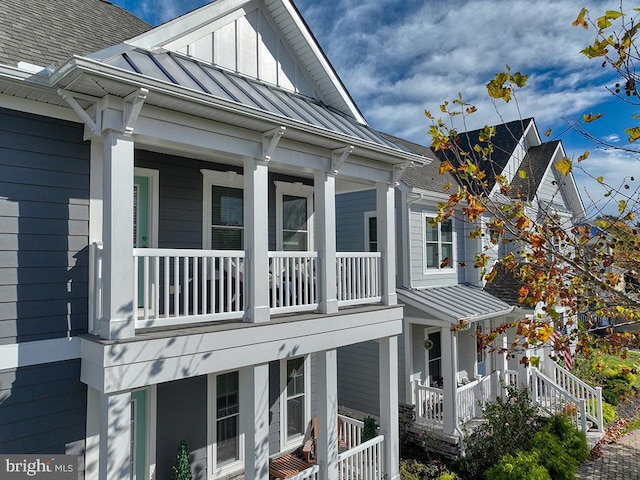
178,33
424,177
535,164
48,33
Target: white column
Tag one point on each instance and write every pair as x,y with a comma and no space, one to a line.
449,380
254,415
407,335
256,240
327,441
388,363
92,447
325,214
118,271
386,215
115,436
96,188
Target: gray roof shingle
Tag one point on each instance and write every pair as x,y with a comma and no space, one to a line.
48,33
534,164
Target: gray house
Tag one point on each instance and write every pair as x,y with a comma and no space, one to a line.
168,260
444,378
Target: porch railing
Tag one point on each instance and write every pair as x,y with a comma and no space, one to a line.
349,431
554,399
292,281
182,286
579,389
358,278
363,462
310,473
429,403
511,378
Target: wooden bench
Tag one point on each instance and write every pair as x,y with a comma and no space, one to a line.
286,466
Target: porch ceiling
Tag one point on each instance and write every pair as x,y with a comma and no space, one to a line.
455,303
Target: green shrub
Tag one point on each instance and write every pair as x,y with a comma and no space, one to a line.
552,456
510,426
182,467
370,429
522,466
608,413
447,475
572,441
413,470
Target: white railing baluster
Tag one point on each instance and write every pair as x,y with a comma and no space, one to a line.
145,287
357,278
292,279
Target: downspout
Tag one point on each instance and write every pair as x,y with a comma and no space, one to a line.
407,241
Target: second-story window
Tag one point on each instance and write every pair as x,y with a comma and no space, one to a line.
371,232
223,210
294,216
439,244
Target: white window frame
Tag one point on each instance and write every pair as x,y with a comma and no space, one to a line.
427,356
367,240
150,434
212,394
295,190
153,177
285,442
454,246
211,178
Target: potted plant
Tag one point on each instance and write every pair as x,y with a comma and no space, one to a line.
182,467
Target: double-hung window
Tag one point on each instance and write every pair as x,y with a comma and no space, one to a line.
371,232
295,400
225,439
223,210
438,244
294,216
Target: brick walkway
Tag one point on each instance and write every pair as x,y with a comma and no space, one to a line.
619,461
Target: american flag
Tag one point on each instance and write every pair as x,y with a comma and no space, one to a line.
563,349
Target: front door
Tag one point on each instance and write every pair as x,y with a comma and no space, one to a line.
138,434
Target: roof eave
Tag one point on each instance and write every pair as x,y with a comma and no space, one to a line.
83,65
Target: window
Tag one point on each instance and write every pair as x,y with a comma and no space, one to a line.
295,400
434,359
294,216
438,244
371,232
227,419
223,210
225,450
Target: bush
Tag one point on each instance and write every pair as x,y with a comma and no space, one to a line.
572,441
413,470
608,413
510,426
370,429
522,466
552,456
182,467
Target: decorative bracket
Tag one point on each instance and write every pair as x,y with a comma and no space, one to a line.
398,172
338,157
132,108
70,97
270,141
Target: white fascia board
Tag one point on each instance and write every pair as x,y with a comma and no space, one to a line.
14,73
25,354
427,195
323,61
92,67
38,108
134,364
185,24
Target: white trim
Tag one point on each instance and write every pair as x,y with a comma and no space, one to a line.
152,416
367,240
296,190
427,356
26,354
285,443
38,108
209,179
154,201
454,247
233,467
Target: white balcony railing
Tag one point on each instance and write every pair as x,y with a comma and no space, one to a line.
429,403
181,286
358,278
176,286
349,432
363,462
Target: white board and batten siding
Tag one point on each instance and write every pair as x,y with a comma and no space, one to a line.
250,45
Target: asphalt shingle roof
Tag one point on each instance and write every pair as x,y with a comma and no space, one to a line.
49,32
504,286
534,164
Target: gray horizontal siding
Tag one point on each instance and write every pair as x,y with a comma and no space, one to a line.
44,214
350,210
43,409
358,377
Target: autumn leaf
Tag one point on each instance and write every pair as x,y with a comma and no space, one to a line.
523,293
536,241
622,206
580,20
545,332
590,117
600,179
634,133
522,174
584,156
547,133
471,109
564,166
445,166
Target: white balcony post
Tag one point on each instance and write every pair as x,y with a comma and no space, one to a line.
387,241
254,408
449,381
388,365
109,432
256,241
325,215
118,272
327,441
96,189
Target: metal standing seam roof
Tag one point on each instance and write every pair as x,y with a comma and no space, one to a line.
205,78
456,302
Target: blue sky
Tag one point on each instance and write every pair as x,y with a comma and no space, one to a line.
400,57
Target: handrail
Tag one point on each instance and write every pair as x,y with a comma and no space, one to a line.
361,448
364,462
580,389
553,399
311,472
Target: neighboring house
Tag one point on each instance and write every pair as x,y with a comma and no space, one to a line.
443,375
168,232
